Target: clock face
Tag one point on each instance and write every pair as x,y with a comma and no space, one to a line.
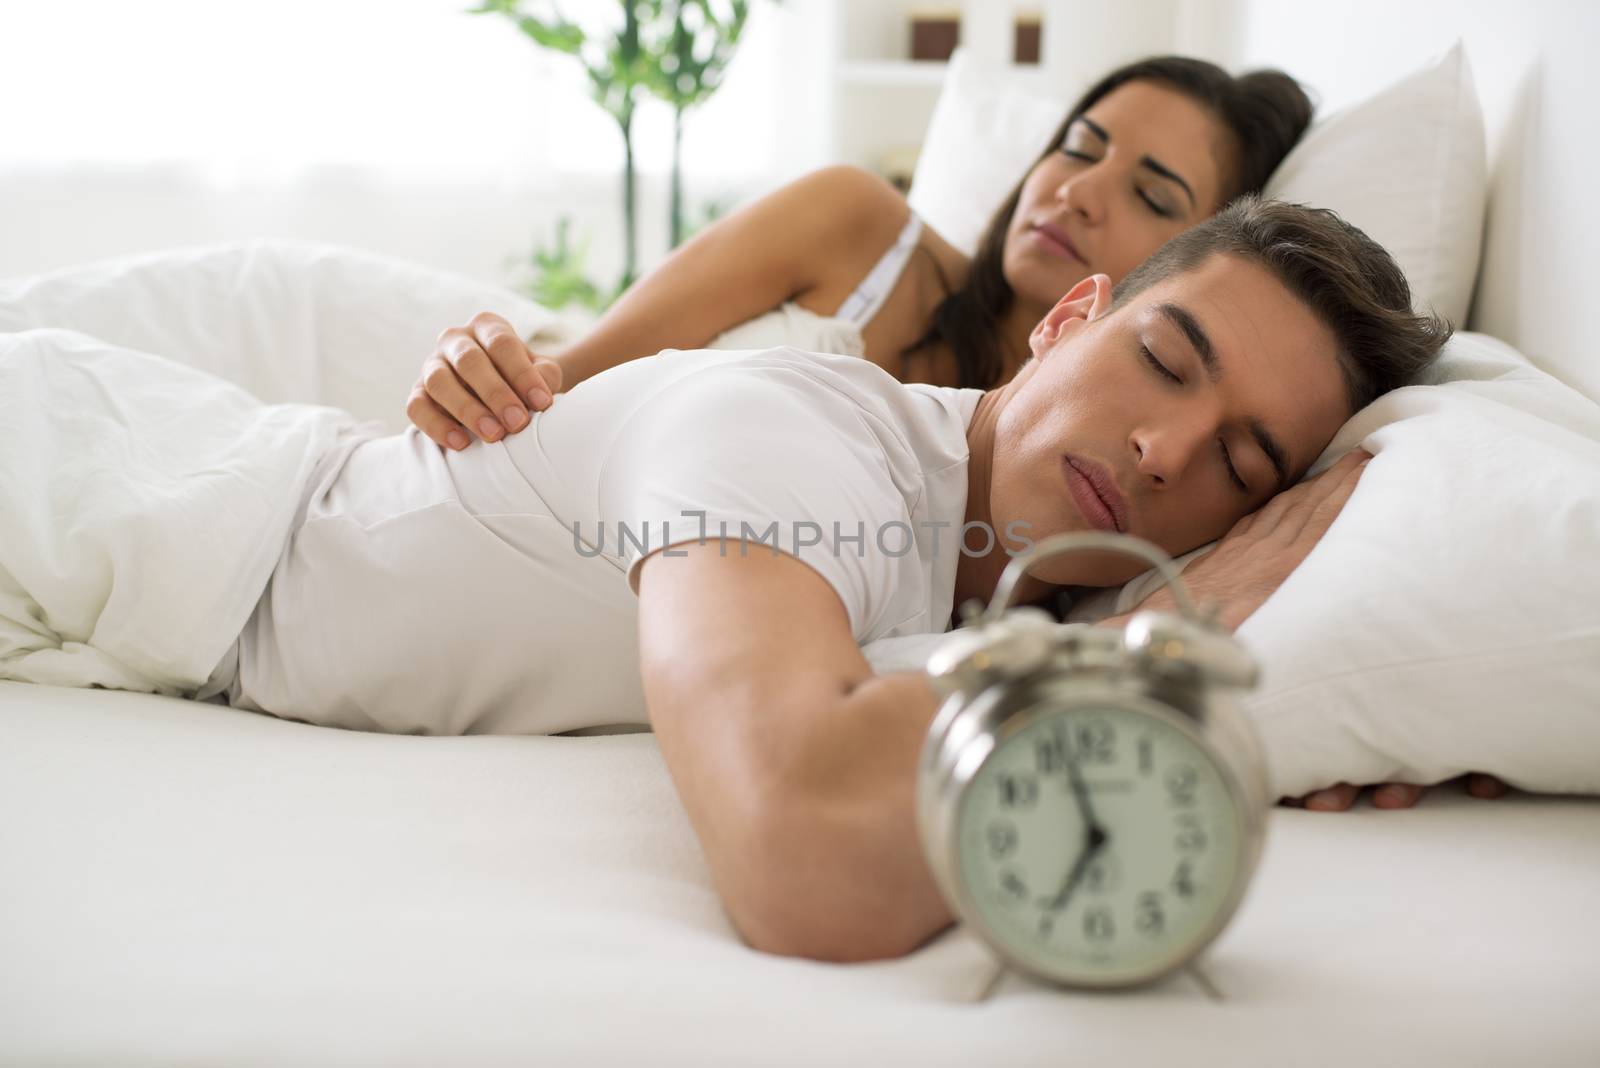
1099,845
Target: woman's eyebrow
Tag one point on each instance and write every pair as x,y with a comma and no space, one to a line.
1170,175
1161,170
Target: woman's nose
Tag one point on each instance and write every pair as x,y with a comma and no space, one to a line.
1083,194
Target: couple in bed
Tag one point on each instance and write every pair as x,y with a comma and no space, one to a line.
617,552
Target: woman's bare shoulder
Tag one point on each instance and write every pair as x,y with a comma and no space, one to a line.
838,220
847,207
854,189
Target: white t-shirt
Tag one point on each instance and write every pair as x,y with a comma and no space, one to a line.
429,591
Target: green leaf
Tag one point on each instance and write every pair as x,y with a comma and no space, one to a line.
558,35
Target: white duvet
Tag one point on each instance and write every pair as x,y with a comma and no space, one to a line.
125,561
143,506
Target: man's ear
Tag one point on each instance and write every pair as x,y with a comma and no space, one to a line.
1089,299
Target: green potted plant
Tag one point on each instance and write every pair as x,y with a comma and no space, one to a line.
677,50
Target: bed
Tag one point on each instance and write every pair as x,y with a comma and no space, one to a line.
188,884
183,883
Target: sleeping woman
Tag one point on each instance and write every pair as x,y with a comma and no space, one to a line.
837,262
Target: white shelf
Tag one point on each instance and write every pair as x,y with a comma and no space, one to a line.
895,73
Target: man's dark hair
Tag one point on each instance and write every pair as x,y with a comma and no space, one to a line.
1347,280
1264,111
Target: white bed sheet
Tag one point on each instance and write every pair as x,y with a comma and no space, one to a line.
188,883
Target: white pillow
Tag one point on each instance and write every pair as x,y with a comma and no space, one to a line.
1407,165
1449,619
986,131
286,320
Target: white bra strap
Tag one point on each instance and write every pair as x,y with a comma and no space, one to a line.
860,306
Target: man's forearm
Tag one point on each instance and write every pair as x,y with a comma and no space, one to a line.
857,885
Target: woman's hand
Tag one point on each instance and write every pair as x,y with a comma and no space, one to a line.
1341,797
476,381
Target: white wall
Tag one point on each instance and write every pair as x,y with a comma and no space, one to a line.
1539,84
406,127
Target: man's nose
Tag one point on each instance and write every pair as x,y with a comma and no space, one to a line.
1164,454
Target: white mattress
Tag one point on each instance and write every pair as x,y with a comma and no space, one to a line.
186,883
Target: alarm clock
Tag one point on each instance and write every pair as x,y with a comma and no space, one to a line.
1092,801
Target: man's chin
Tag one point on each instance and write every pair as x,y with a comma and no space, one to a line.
1089,568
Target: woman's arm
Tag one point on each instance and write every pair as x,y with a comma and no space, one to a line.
825,225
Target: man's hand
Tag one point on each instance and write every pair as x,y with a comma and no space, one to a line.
1259,552
795,763
1251,562
480,381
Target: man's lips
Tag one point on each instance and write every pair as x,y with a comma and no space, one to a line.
1096,494
1056,240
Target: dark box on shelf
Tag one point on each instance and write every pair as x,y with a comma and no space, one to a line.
935,33
1025,42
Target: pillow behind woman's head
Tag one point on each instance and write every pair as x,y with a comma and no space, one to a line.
1407,165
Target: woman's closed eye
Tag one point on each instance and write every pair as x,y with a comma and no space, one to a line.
1155,205
1151,202
1227,460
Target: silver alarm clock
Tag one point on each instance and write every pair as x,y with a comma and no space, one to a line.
1092,802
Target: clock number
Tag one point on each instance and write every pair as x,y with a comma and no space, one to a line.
1190,839
1096,741
1183,880
1150,920
1147,762
1097,925
1181,782
1018,791
1002,839
1047,924
1051,754
1012,884
1098,879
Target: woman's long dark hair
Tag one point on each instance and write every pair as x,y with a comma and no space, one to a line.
1266,111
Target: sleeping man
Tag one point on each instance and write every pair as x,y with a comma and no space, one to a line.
703,541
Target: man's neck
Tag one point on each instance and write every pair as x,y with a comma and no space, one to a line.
978,575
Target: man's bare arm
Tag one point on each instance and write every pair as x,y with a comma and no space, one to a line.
795,763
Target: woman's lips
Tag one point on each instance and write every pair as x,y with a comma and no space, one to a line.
1098,512
1056,240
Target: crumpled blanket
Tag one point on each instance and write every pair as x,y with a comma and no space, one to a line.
143,506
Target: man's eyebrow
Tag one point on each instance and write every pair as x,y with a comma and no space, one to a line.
1146,161
1179,317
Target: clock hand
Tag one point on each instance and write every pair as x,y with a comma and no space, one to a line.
1096,841
1081,791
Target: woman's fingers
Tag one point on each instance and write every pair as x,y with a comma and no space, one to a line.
510,379
435,422
446,390
1390,795
1397,795
1486,786
550,372
1336,798
477,373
